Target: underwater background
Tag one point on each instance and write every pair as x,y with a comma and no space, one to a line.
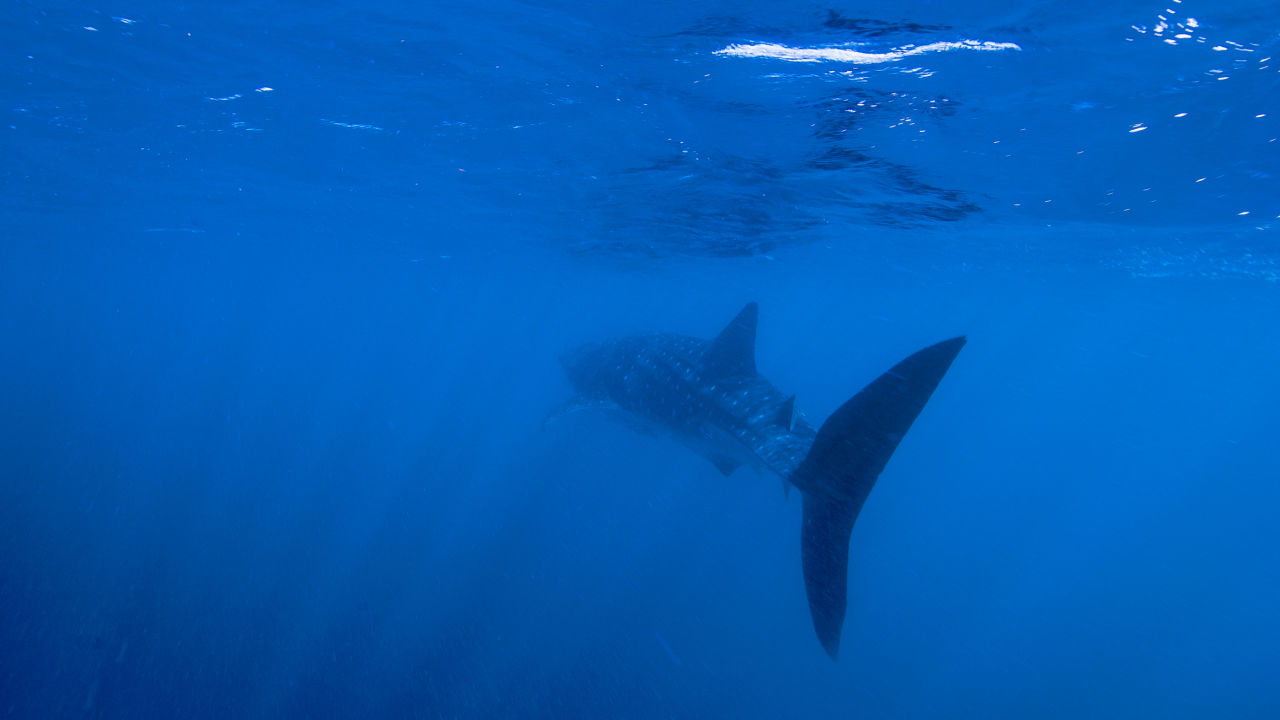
283,289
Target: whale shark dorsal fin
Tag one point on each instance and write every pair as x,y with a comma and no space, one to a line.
733,352
787,414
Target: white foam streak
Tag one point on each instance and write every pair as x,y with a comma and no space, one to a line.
794,54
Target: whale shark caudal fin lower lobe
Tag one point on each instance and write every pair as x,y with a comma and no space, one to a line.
850,451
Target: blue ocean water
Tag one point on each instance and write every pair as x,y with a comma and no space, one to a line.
283,290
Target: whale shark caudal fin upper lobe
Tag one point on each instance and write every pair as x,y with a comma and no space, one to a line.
851,449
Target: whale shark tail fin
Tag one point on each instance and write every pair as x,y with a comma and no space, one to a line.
851,449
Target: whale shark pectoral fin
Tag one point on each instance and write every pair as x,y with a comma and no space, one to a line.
575,404
726,465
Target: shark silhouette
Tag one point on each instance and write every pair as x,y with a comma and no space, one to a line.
708,395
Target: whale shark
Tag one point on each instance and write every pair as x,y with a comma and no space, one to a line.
708,395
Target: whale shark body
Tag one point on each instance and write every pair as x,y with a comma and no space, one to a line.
709,396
